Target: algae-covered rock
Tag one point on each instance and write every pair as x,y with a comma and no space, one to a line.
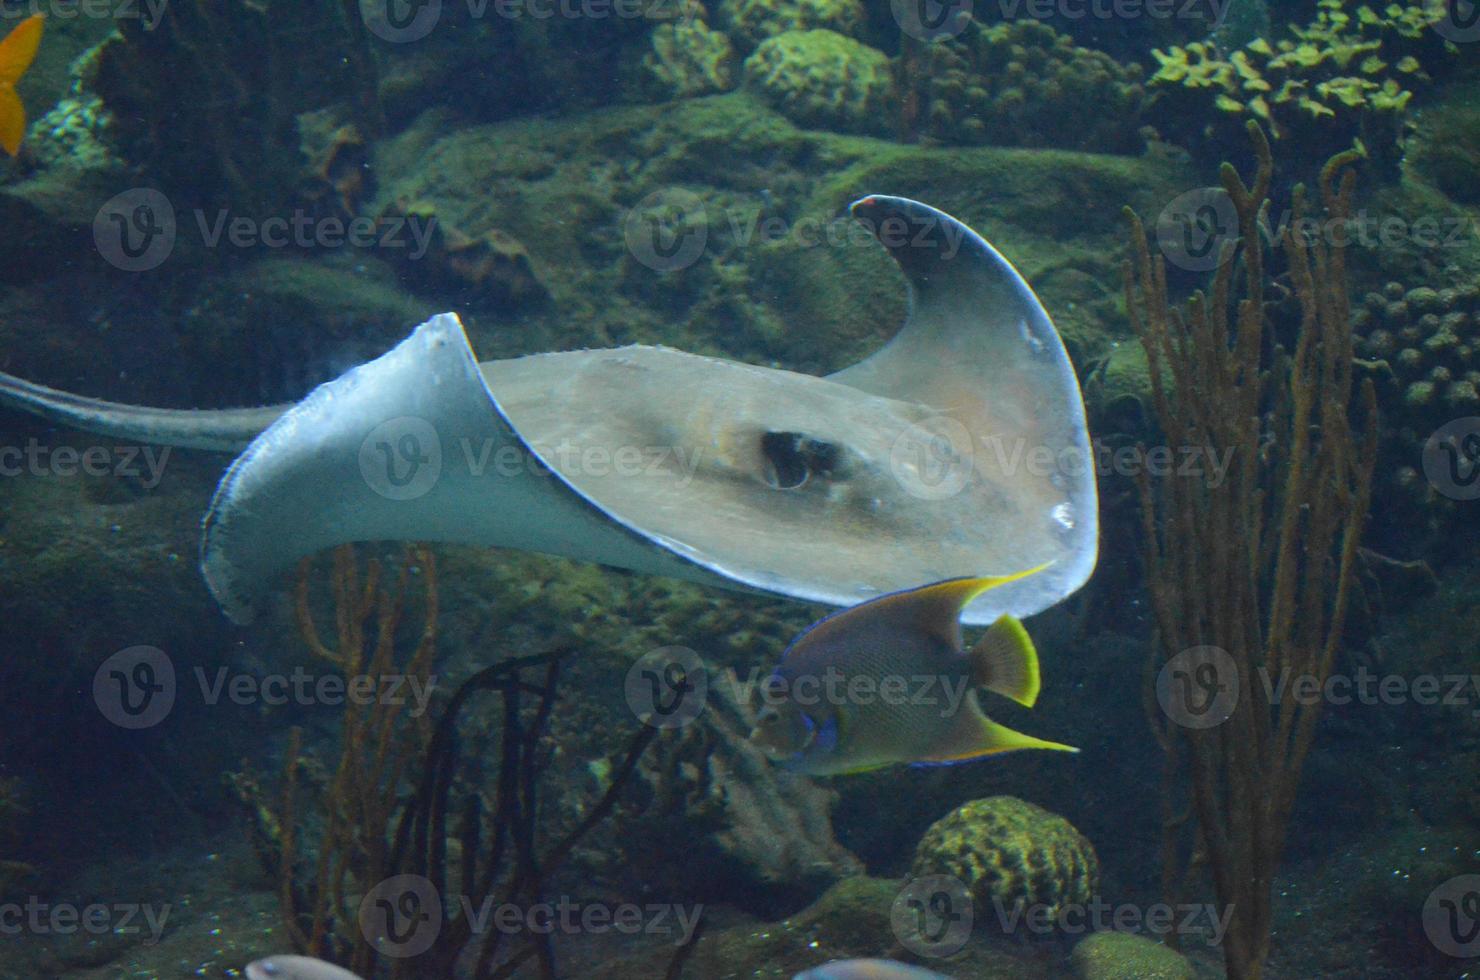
752,21
686,59
1023,84
1445,147
822,79
1011,853
1120,955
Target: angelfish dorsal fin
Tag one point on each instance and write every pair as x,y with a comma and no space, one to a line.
936,609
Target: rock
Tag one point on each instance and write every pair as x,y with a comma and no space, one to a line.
1123,955
767,836
752,21
686,59
491,269
822,79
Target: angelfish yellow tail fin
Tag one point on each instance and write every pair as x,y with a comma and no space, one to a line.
1006,662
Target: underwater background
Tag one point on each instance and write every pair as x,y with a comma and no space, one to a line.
224,203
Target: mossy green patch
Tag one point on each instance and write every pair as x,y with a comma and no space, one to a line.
1121,955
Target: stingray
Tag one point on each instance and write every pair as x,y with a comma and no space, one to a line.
957,449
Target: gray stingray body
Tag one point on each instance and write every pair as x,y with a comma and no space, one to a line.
958,449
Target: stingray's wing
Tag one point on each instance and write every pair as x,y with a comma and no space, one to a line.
979,346
925,462
410,446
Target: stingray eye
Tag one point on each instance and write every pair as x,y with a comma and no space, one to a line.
768,716
790,458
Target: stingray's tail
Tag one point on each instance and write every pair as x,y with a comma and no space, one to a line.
223,430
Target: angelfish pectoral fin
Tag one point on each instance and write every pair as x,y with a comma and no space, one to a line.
975,735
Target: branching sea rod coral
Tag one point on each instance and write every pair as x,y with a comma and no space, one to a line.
1252,574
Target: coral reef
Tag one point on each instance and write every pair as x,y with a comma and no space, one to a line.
760,830
750,22
822,79
1344,79
1425,343
1023,84
1445,147
1421,348
1009,852
685,59
1117,955
205,97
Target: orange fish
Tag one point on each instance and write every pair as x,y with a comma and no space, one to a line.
16,53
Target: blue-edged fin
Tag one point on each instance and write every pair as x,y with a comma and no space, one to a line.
1005,661
975,735
937,608
934,610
